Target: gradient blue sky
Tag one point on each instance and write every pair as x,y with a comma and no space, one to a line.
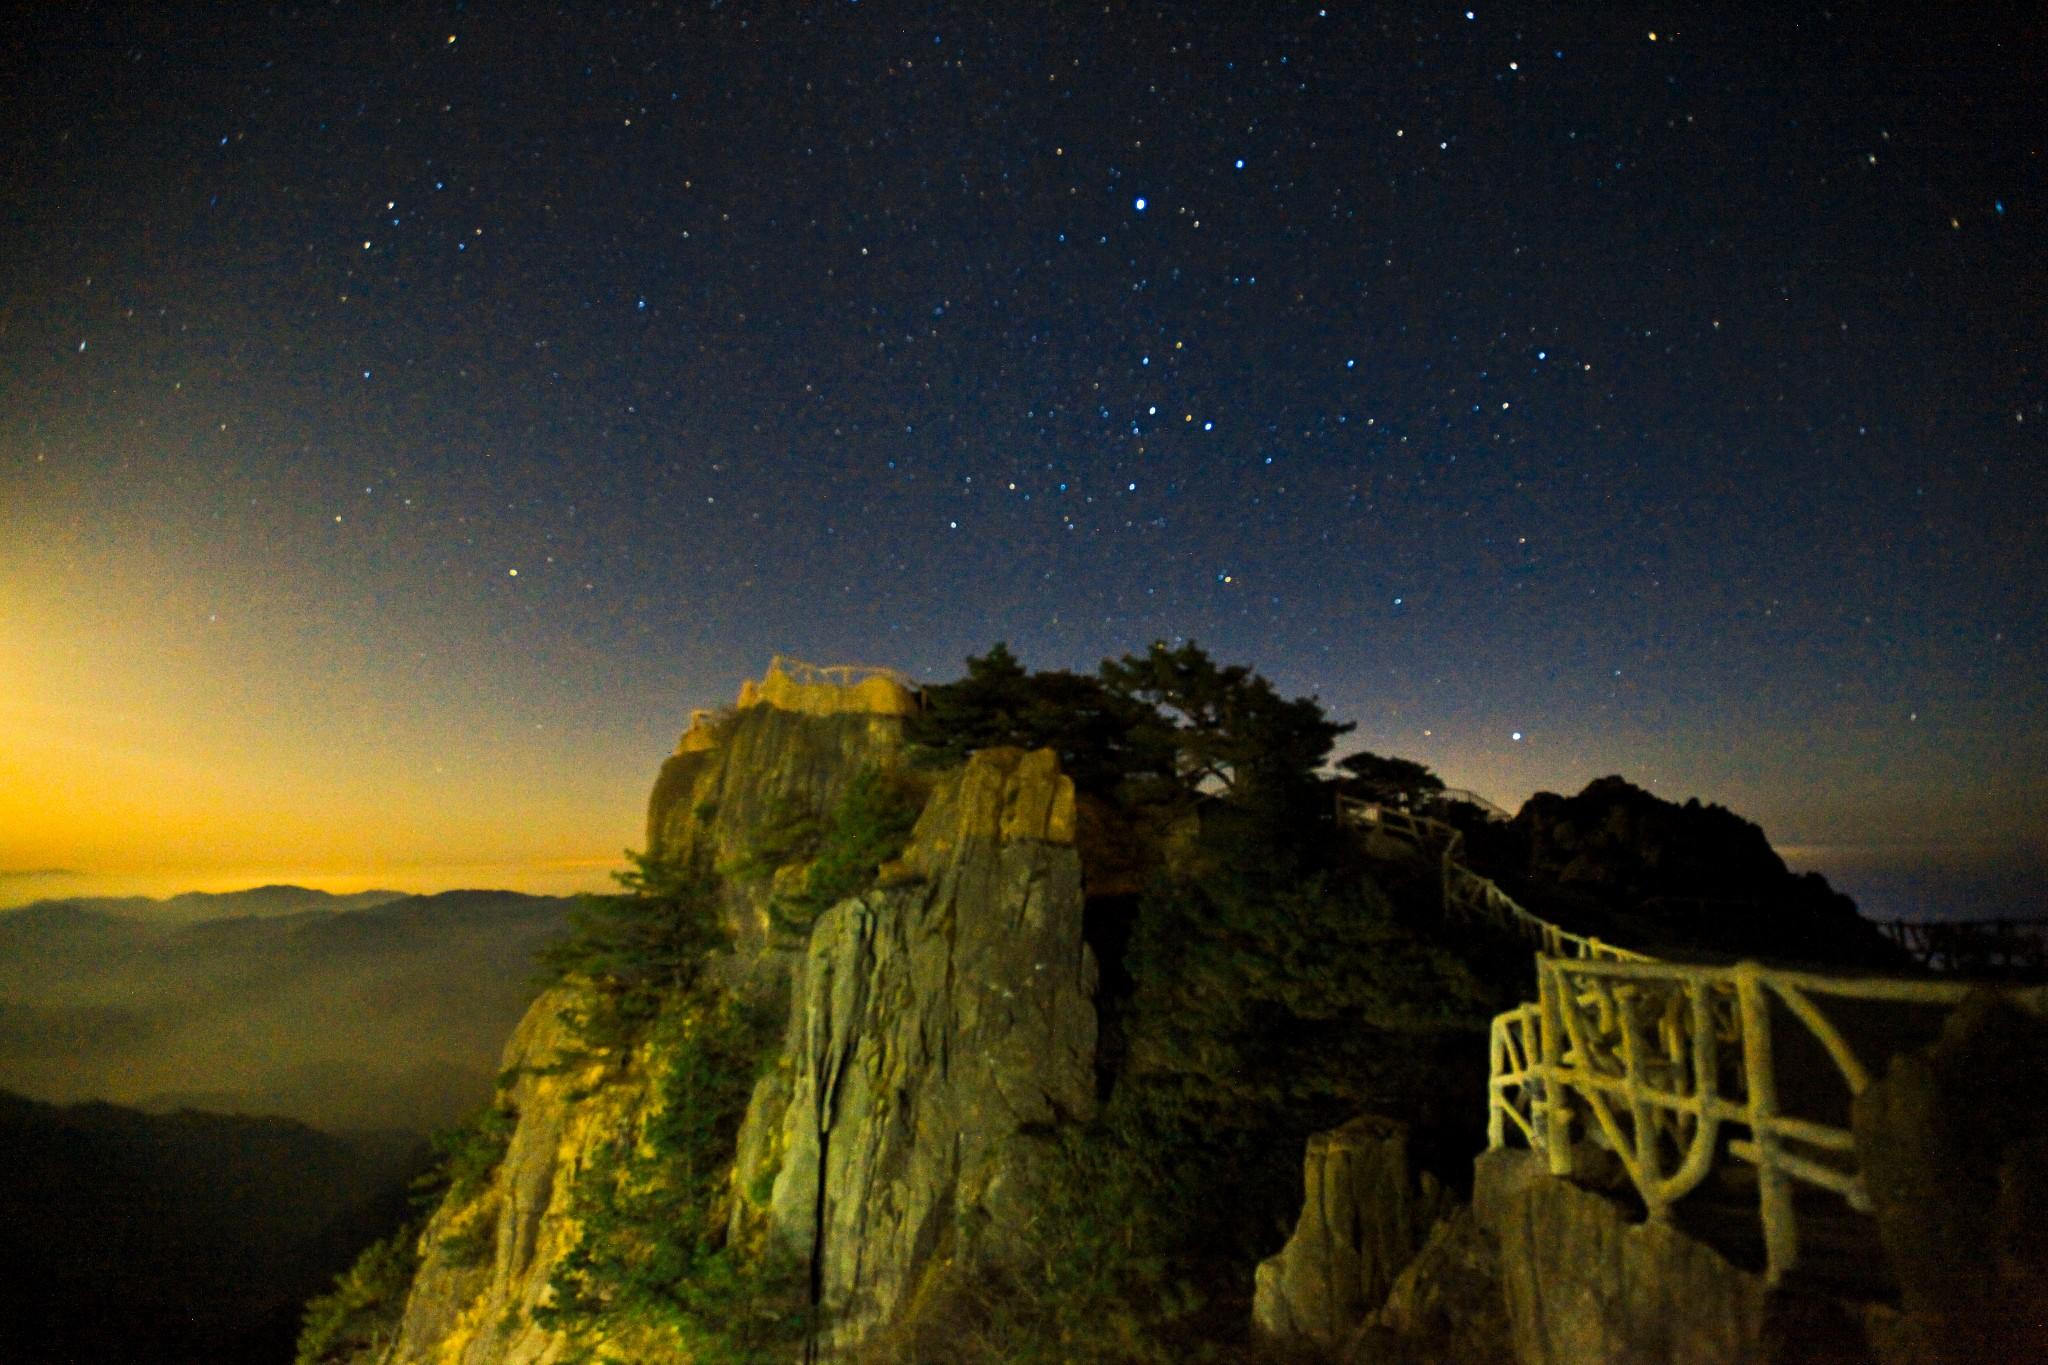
405,418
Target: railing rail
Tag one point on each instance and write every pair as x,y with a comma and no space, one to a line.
1466,894
839,675
1461,796
1655,1060
2017,946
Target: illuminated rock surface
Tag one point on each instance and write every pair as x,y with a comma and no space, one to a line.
477,1311
1366,1213
936,1024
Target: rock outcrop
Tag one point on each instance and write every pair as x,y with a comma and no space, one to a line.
758,766
794,686
1445,1306
939,1024
486,1260
1584,1279
1954,1146
1367,1212
1622,864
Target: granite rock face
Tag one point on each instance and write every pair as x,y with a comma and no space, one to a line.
1582,1279
1366,1213
1445,1306
938,1024
749,769
1953,1140
486,1261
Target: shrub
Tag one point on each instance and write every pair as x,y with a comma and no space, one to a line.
651,1252
787,832
1267,1001
469,1153
868,827
1106,742
631,951
361,1314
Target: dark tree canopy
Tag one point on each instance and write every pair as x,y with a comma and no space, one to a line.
1379,778
635,949
1231,731
1104,740
1153,727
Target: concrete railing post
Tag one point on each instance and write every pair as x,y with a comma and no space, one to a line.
1550,1045
1760,1082
1497,1065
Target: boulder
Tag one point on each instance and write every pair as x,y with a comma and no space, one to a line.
1953,1141
1585,1279
1367,1210
1445,1306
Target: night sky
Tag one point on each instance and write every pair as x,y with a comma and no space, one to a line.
408,413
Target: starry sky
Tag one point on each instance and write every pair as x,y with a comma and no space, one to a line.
408,413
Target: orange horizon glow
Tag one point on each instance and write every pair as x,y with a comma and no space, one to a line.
180,717
170,721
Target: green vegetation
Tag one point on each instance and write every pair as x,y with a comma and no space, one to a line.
1262,987
1263,1010
466,1156
359,1317
633,951
1093,1286
788,833
1106,742
652,1205
1267,989
1159,728
1400,781
1230,730
469,1154
867,828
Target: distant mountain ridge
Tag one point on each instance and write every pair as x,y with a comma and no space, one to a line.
178,1237
189,906
341,1014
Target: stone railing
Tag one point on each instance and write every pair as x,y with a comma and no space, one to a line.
1653,1059
1467,895
831,689
838,675
1461,796
1999,947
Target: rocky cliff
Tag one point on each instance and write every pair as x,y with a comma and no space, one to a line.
1624,865
907,1115
936,1024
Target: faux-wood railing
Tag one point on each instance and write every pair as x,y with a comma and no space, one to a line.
1654,1059
838,675
2015,946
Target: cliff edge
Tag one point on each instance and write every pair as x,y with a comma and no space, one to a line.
930,1026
